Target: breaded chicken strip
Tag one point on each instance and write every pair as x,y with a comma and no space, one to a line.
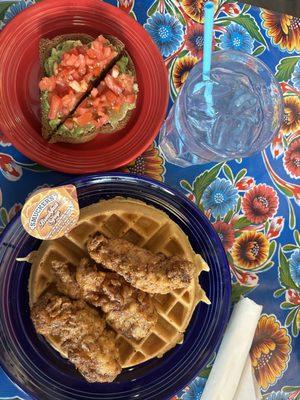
152,273
82,335
128,310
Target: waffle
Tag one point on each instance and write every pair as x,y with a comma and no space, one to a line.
144,226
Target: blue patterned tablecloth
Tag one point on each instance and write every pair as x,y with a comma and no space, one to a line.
258,213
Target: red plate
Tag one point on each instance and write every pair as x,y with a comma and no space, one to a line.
20,74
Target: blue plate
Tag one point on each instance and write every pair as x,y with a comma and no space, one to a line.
41,372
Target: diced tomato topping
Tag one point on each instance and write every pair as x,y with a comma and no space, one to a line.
69,123
84,119
61,88
96,102
101,39
81,110
107,51
81,50
94,92
130,98
97,70
92,53
48,83
54,107
74,51
110,96
96,45
90,61
113,84
78,67
102,120
69,101
76,76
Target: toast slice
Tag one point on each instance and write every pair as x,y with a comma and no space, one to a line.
51,52
78,128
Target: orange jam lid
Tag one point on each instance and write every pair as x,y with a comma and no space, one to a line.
51,213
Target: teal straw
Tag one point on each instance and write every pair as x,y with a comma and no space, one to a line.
208,35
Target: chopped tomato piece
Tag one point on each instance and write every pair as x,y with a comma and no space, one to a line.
130,98
113,84
90,61
82,50
47,83
100,110
76,76
69,101
107,52
54,107
81,111
96,102
96,71
127,82
98,46
117,107
92,53
85,119
94,92
74,51
110,96
61,88
102,121
69,123
80,62
101,39
69,59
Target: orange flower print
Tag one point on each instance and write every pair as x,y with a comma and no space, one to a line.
250,250
195,8
283,29
291,119
150,163
270,351
182,68
291,159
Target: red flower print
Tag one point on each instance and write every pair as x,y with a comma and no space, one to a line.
126,5
291,160
275,227
9,168
3,141
260,203
277,146
226,233
191,197
246,278
246,183
231,9
292,296
13,211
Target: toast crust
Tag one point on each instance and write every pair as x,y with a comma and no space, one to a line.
45,48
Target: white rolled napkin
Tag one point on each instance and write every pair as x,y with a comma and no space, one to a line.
229,364
247,388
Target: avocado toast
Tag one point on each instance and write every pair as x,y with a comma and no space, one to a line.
107,109
72,64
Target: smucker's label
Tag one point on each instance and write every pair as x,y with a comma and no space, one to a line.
51,213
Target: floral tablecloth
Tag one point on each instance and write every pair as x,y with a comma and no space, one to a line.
253,203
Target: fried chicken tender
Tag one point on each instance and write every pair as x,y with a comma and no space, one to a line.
152,273
128,310
81,333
